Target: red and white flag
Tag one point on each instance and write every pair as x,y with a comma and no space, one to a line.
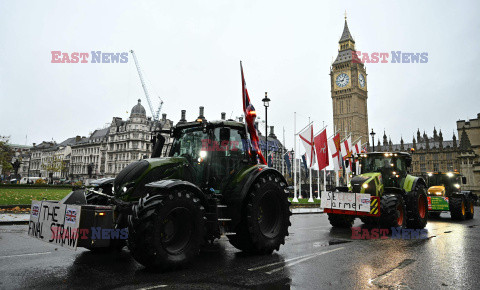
357,150
321,147
334,146
346,147
306,136
250,116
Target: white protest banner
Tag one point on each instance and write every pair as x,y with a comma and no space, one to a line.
346,201
55,223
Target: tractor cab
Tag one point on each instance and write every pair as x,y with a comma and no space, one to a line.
444,183
214,151
393,167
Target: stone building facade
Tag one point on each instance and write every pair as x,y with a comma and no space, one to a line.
348,81
107,151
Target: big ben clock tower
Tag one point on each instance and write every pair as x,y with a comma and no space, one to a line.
349,91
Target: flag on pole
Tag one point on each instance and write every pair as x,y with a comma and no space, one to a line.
287,157
334,146
306,136
357,150
304,159
321,147
250,116
364,149
346,147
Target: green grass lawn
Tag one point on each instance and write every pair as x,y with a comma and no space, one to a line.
305,200
26,195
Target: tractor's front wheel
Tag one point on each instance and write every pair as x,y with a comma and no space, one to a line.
166,232
341,220
265,218
393,211
458,208
417,208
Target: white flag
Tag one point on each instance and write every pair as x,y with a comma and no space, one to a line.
335,154
346,147
357,150
306,136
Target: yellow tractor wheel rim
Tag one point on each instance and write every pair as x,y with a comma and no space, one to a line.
463,208
471,208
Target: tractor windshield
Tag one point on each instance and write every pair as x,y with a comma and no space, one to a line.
188,143
449,180
384,164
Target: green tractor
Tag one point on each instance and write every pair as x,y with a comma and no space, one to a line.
384,194
445,194
209,185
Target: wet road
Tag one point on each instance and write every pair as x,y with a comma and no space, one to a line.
315,256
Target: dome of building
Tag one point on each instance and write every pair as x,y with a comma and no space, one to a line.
138,110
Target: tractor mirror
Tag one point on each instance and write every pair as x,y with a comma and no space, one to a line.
408,162
464,180
158,145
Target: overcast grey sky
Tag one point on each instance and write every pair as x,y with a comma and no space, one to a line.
190,52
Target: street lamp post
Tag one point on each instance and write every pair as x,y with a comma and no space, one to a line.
373,140
266,103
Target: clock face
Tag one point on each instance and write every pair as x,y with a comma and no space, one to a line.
361,80
342,80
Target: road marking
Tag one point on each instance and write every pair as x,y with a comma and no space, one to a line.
303,260
385,275
153,287
21,255
281,262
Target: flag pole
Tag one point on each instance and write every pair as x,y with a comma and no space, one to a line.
295,199
283,153
310,169
318,182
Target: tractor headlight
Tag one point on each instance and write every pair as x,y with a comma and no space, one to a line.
365,185
124,189
457,185
438,193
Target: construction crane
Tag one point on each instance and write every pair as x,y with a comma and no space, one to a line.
155,114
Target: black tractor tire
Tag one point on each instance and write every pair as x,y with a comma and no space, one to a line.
458,208
341,220
393,211
166,232
470,210
434,214
265,217
417,208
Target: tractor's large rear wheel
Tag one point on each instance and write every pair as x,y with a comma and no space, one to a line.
341,220
417,208
393,211
458,208
166,232
265,217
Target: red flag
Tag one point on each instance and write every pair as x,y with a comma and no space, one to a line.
321,147
250,116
